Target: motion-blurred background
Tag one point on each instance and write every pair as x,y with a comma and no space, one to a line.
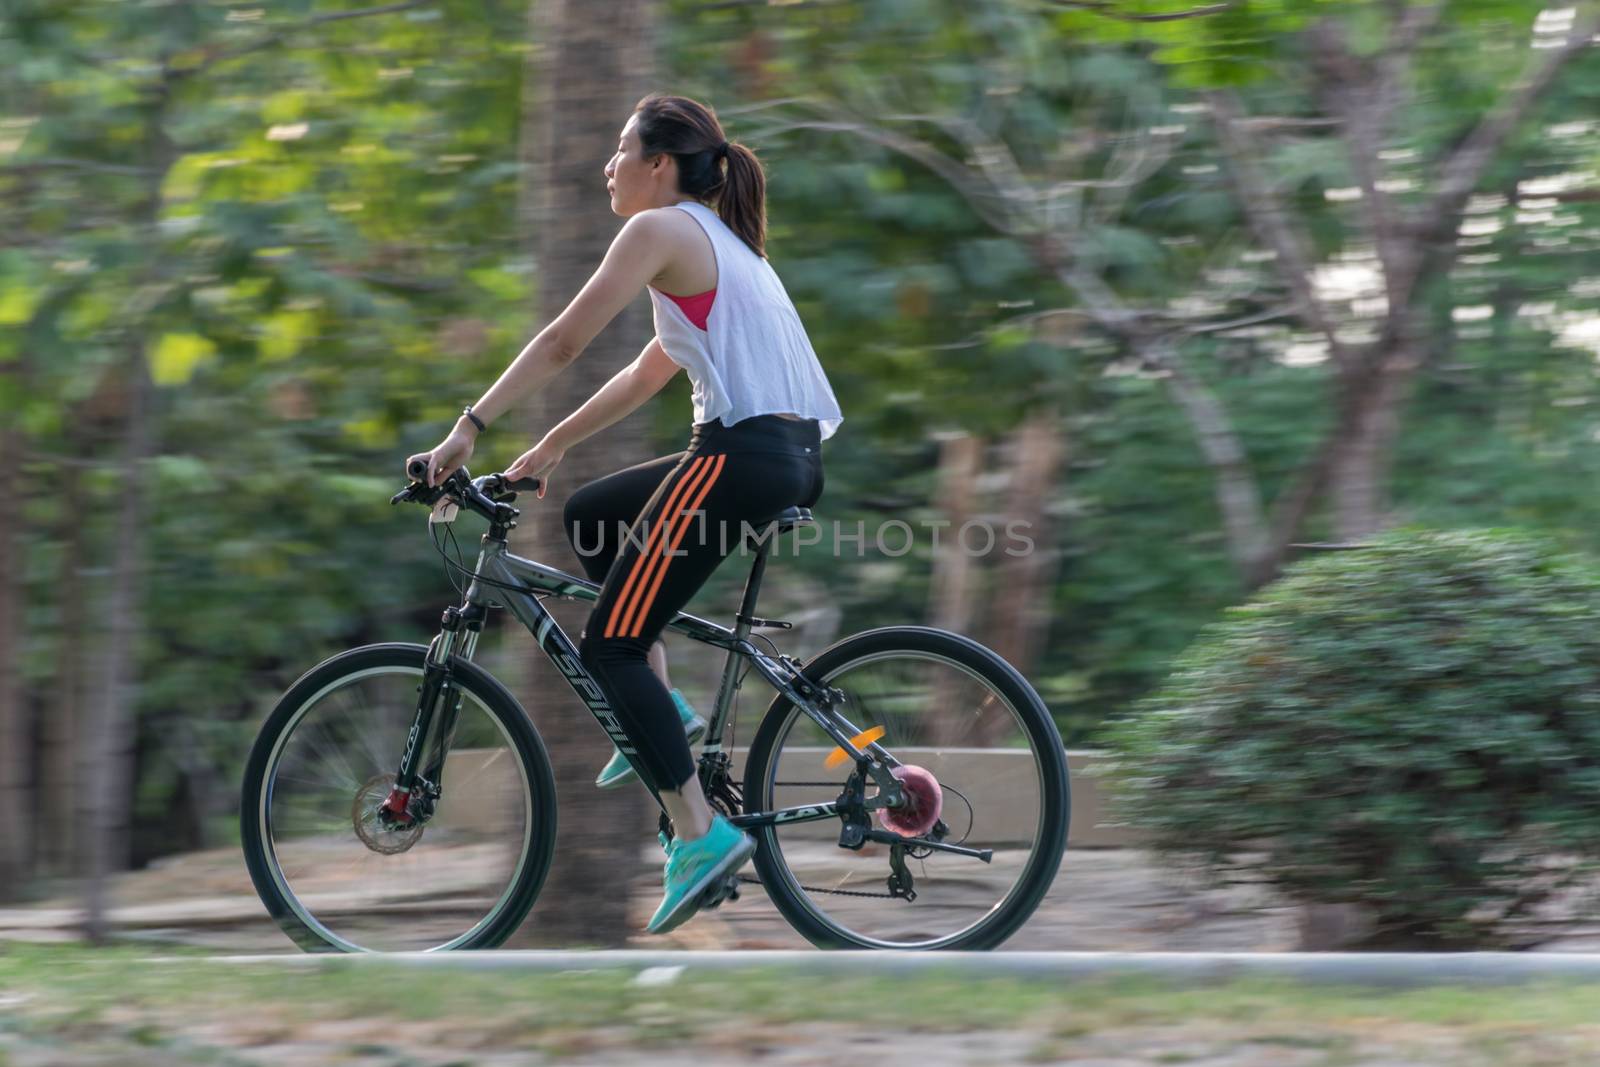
1178,286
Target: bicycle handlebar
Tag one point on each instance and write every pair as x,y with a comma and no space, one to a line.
486,495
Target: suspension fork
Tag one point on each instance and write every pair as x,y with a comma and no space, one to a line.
438,709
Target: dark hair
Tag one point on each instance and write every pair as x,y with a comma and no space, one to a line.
689,131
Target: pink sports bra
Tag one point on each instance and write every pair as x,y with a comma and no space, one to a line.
697,307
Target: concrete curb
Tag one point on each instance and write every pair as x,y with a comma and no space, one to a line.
1331,968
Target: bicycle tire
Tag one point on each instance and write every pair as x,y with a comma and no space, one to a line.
501,705
1042,867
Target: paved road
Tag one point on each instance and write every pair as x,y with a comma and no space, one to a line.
1103,901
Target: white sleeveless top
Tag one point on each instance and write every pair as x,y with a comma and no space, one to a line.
753,357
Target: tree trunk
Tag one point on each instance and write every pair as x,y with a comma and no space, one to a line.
951,594
58,725
1358,474
15,740
108,739
1244,522
584,76
1019,607
105,772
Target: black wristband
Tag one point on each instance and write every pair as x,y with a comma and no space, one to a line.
467,411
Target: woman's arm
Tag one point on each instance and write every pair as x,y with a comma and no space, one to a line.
622,395
637,254
626,390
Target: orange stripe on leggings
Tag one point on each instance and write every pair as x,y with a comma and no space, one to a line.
649,598
653,558
651,537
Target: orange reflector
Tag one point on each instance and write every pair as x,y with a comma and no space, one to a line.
861,740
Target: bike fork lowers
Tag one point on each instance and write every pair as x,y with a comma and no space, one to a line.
415,792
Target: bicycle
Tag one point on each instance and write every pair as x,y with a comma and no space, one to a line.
357,840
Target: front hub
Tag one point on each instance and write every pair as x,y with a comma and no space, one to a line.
382,816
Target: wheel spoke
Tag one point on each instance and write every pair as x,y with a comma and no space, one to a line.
358,883
966,742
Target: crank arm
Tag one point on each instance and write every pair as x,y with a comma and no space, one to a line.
884,837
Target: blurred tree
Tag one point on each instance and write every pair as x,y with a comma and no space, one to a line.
1014,184
132,335
952,592
1363,70
60,725
1027,561
15,843
589,73
1062,207
245,274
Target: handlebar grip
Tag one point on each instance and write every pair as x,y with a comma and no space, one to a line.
525,485
418,469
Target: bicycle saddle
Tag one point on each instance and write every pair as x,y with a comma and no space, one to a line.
790,517
779,524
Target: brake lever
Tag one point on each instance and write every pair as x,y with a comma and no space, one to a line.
495,484
419,492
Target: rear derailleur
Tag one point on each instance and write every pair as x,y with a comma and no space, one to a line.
856,830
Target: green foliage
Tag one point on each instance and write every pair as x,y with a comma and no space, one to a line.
331,265
315,279
1413,727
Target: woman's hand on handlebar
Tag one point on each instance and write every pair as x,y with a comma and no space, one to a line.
536,462
445,458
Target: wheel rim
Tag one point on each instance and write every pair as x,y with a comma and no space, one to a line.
940,714
336,871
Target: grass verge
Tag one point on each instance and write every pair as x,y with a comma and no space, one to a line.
187,1004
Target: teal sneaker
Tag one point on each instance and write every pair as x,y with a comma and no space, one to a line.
694,866
618,770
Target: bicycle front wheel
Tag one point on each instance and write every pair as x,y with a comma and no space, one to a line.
326,866
979,747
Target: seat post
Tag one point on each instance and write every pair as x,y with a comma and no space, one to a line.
752,586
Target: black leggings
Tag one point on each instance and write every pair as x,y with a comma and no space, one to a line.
651,534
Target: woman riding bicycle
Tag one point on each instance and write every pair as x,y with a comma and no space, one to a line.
652,534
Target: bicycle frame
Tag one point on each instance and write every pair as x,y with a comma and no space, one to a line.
504,579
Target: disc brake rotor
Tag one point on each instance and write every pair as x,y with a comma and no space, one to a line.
364,813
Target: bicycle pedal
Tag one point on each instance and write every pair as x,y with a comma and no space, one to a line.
713,895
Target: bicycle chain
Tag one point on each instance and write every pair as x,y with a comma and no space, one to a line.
752,880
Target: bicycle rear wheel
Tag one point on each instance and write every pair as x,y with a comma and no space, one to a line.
327,868
958,711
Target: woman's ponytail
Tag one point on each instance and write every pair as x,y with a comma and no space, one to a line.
710,167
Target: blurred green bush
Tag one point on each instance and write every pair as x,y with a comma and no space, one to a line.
1412,728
